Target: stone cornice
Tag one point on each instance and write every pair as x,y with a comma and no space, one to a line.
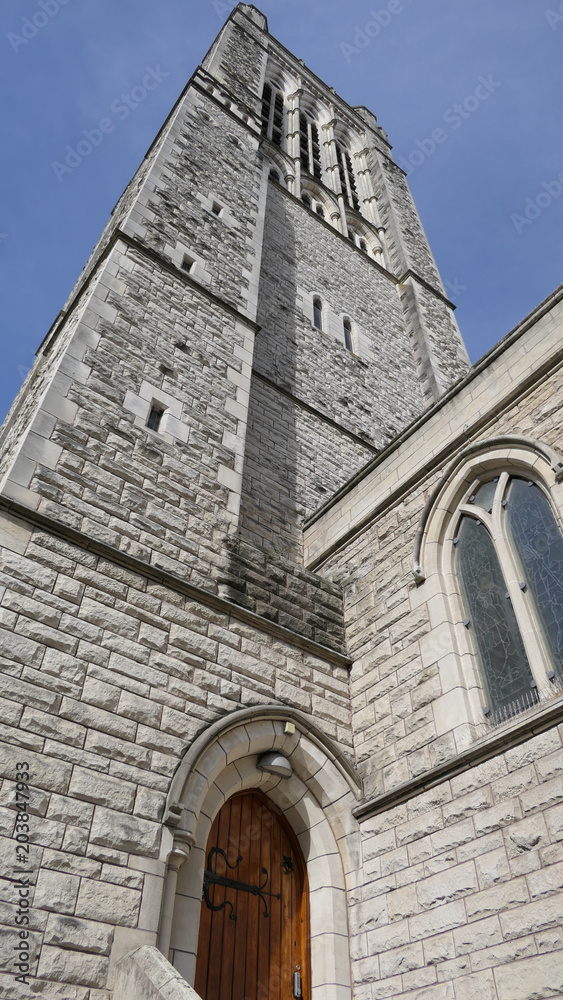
172,581
511,735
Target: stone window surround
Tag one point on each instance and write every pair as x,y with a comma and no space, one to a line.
333,323
171,426
225,216
317,801
198,270
320,196
449,643
375,244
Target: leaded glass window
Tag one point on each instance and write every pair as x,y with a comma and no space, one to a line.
507,674
536,537
485,495
509,559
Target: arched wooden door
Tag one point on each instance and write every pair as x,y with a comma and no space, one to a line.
253,935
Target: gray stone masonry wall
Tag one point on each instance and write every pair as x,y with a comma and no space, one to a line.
210,156
437,345
107,677
282,591
293,462
31,396
462,897
239,60
374,399
392,690
405,236
163,499
462,893
202,172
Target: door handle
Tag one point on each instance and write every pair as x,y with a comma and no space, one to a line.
297,985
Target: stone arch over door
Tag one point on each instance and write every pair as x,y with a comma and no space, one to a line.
316,800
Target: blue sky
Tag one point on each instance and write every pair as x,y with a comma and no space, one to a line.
474,170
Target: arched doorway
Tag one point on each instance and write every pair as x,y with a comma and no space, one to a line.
253,935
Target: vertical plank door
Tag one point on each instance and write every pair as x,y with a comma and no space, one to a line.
253,934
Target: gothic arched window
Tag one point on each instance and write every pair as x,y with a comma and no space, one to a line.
309,146
509,558
318,312
272,114
347,178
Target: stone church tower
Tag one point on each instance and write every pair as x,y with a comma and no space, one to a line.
269,729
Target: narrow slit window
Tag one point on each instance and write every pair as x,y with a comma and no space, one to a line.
310,147
266,104
272,114
155,416
318,313
216,208
348,335
347,178
188,263
277,129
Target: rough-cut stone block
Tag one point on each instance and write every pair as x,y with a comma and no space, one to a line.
73,967
460,880
102,789
532,978
125,833
501,897
79,935
56,891
437,921
102,901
